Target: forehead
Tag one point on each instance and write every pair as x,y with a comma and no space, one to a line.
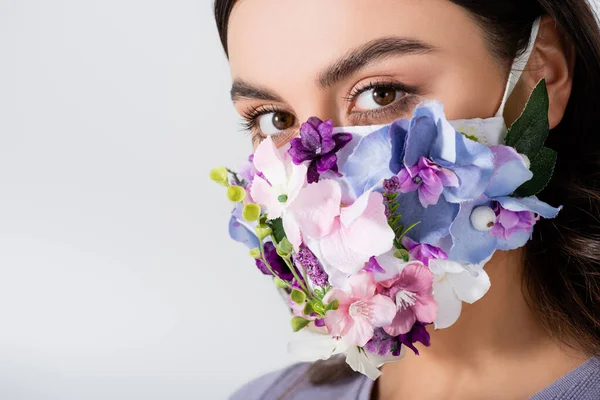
275,40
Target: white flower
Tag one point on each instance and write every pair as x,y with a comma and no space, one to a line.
309,345
454,283
368,363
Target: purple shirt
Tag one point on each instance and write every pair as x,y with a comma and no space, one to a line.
582,383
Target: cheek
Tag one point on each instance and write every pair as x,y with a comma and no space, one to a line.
471,92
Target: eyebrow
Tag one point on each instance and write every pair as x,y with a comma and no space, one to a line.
347,65
242,89
368,53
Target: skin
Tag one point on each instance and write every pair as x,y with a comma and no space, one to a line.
498,346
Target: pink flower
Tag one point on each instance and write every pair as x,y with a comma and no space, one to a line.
412,290
358,232
358,312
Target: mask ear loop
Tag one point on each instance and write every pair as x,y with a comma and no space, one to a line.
518,66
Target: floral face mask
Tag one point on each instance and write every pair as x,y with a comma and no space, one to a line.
374,232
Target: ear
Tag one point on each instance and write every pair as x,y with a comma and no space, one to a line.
553,58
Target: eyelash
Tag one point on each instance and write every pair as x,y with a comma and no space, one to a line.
251,116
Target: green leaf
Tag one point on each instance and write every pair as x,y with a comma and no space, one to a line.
542,166
334,305
298,296
255,252
318,307
402,254
280,283
284,248
278,232
308,309
529,132
299,323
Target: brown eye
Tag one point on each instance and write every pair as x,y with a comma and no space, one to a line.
378,97
384,96
283,120
275,122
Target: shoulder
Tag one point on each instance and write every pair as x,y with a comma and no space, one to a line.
583,383
292,383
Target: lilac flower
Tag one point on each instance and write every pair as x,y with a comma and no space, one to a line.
383,344
318,144
312,266
277,264
428,179
423,252
510,222
392,185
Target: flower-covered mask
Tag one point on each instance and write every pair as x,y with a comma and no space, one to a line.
374,233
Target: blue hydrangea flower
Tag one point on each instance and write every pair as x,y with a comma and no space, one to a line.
475,244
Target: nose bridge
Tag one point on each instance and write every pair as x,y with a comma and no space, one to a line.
319,104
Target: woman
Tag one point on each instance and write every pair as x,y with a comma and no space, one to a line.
367,62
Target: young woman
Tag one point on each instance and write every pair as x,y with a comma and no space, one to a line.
368,62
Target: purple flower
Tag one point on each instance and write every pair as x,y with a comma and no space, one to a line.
373,266
312,266
510,222
276,262
428,178
423,252
318,144
383,344
418,333
392,185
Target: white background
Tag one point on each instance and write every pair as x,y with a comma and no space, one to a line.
117,277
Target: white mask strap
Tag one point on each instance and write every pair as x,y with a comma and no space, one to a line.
518,66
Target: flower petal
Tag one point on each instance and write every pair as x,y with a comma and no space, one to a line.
402,322
308,346
370,233
338,254
470,245
383,310
369,162
268,161
240,233
292,230
470,288
425,308
358,360
264,195
529,204
359,332
338,322
449,305
510,172
416,278
433,221
316,207
363,286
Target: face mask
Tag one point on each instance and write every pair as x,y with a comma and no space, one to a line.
374,232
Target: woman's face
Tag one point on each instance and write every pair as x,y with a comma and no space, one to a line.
359,62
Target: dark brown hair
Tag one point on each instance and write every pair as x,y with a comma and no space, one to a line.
561,277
